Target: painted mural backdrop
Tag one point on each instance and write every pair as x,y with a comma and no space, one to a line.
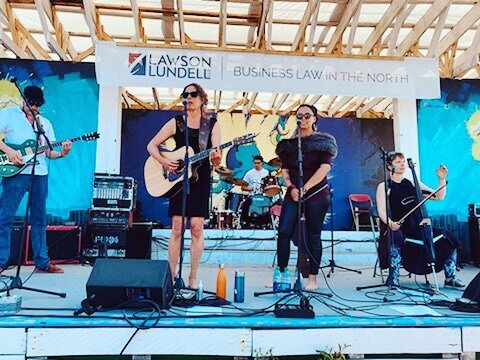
71,94
449,133
357,168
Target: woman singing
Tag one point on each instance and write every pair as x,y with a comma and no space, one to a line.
197,200
318,150
402,199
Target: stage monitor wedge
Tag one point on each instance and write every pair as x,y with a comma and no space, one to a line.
124,282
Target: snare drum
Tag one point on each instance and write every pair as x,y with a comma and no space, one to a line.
270,186
223,219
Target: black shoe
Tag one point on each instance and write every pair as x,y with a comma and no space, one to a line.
454,283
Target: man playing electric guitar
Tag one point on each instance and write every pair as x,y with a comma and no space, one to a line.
201,130
18,125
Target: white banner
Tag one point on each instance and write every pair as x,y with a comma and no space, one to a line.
411,78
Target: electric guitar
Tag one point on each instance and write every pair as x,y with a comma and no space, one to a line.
162,183
27,149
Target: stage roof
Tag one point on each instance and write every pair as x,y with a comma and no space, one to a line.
66,30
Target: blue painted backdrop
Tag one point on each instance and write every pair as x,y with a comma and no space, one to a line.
449,133
357,168
71,94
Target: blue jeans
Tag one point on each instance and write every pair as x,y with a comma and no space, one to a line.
315,211
13,190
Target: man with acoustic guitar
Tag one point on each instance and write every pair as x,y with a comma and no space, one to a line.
204,133
18,125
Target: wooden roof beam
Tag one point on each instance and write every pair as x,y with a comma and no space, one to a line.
90,19
167,23
353,30
313,26
172,104
236,104
279,104
181,22
137,21
470,18
437,8
469,58
267,7
61,44
438,32
156,98
12,46
368,106
393,10
34,47
349,11
392,37
222,24
299,40
339,105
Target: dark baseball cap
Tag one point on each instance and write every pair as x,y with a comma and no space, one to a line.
34,96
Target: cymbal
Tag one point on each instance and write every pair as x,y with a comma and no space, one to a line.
234,181
223,170
275,162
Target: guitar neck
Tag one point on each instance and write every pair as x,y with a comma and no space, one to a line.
57,143
205,153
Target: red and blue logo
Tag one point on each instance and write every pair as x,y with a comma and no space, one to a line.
137,63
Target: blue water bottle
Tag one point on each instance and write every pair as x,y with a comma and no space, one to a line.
239,290
277,279
286,286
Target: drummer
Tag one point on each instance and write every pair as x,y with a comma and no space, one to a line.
254,176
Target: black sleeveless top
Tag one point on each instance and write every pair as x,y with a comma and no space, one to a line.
198,200
402,200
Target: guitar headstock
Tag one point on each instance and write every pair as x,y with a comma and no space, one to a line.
411,164
245,139
91,136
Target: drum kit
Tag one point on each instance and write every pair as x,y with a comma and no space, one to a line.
247,209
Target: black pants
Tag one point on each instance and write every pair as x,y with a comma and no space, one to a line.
311,243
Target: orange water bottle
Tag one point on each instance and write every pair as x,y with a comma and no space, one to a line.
222,283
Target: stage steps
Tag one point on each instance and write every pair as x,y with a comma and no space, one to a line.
259,247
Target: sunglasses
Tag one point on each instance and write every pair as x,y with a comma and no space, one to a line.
305,116
193,94
35,103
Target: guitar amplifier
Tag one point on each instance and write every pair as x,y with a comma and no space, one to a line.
63,242
114,192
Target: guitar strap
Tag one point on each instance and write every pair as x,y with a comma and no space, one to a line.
206,125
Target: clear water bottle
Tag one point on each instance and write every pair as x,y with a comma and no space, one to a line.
286,285
200,291
277,279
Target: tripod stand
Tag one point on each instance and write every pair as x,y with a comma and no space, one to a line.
331,263
389,283
16,281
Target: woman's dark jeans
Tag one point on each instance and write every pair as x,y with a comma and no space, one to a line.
315,211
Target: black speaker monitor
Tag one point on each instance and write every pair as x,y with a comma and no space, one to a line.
472,292
117,282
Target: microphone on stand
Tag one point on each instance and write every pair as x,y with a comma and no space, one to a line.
393,169
13,80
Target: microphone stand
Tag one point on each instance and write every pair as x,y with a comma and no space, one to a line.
179,283
331,263
301,234
389,284
16,281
